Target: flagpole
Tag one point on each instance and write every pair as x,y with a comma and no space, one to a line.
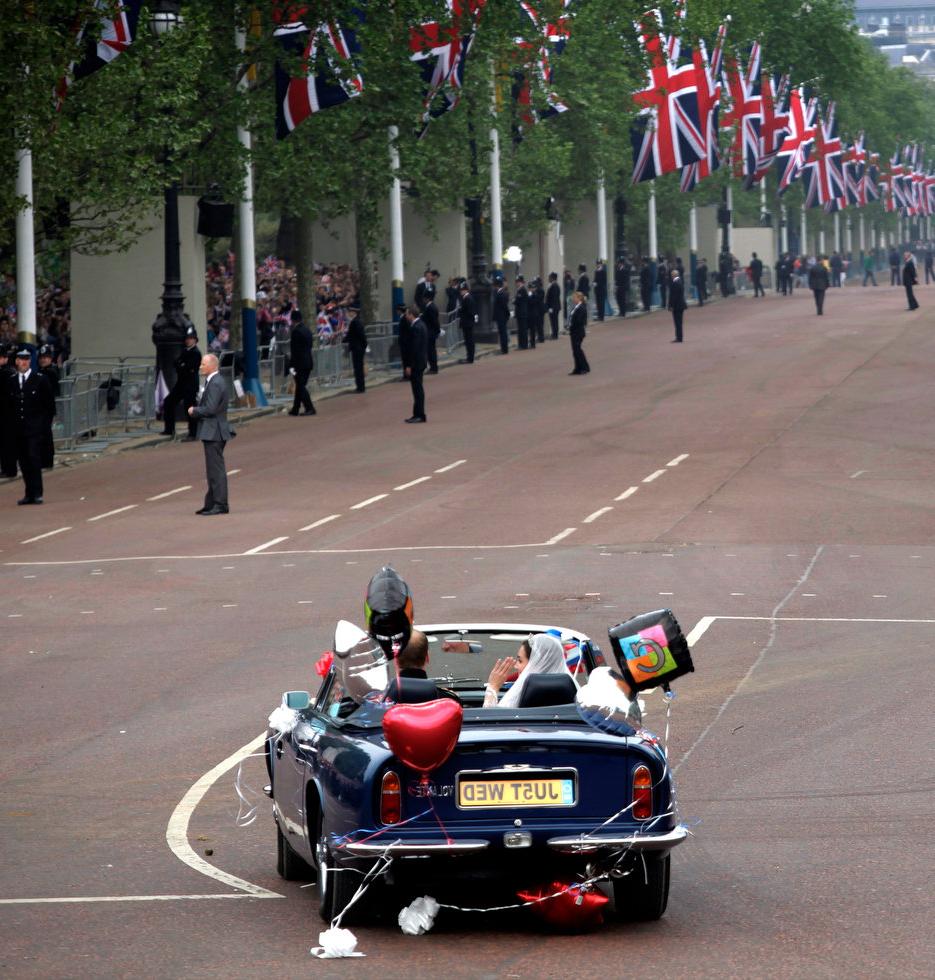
396,225
693,245
496,213
837,231
25,251
848,235
784,228
862,235
246,257
653,244
803,245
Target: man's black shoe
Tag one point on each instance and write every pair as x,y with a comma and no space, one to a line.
416,418
213,511
432,371
189,439
292,413
203,510
311,411
571,374
29,500
675,341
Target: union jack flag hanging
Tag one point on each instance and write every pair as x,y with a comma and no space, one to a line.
442,50
707,74
870,189
853,165
328,76
745,112
118,25
794,150
551,38
773,127
667,135
822,174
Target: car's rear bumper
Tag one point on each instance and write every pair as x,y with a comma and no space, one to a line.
589,843
424,848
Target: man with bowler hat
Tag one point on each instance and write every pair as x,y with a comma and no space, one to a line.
29,406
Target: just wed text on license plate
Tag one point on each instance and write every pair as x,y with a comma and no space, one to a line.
513,792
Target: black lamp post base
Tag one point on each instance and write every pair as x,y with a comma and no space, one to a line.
169,331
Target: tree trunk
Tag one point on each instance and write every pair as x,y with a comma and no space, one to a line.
365,267
305,269
286,238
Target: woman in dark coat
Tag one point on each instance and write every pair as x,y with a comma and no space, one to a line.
576,325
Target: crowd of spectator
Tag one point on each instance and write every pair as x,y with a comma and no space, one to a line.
53,314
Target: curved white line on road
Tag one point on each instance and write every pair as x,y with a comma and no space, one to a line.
177,830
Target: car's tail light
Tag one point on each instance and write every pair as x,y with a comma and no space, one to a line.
390,799
642,793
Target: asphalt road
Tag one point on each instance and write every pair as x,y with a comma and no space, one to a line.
770,480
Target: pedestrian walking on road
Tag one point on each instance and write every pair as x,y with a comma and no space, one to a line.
185,390
576,330
894,267
756,275
868,269
910,279
818,282
301,362
414,362
701,281
677,303
501,316
622,273
29,406
646,284
356,339
553,303
467,318
214,432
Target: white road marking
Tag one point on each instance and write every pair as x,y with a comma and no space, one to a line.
227,568
880,597
677,460
826,619
511,607
412,483
666,593
448,597
520,595
559,537
290,564
48,534
699,629
177,829
591,518
160,570
318,523
809,595
87,612
538,556
160,608
169,493
857,474
738,593
129,898
592,593
653,476
306,602
111,513
369,501
450,466
853,556
232,472
29,576
267,544
627,493
228,605
14,616
98,572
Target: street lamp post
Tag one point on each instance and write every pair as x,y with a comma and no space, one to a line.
171,324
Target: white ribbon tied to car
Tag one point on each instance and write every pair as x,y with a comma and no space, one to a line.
336,944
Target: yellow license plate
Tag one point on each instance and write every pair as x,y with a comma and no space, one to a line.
509,792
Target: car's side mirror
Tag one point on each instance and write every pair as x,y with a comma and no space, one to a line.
297,700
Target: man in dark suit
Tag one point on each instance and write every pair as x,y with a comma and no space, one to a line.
662,278
30,404
501,315
51,374
414,361
402,331
600,287
910,279
677,302
467,318
894,267
646,284
818,283
425,288
301,362
701,281
211,415
7,442
411,662
837,267
553,303
356,339
756,276
622,285
521,311
185,390
536,312
433,331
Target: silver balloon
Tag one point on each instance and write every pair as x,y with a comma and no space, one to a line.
359,662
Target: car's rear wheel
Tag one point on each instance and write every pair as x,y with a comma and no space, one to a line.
336,886
643,894
289,865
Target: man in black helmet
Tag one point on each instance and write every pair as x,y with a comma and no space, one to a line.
185,390
50,372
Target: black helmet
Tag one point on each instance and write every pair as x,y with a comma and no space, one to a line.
388,609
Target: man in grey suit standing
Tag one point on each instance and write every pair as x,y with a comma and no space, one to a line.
214,433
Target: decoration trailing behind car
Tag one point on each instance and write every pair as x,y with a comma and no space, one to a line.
546,801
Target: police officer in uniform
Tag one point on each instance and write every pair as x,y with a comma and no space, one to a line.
467,318
185,390
7,442
521,311
536,312
29,406
51,373
501,315
356,340
433,332
553,303
600,288
622,285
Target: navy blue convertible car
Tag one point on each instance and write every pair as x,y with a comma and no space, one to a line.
529,794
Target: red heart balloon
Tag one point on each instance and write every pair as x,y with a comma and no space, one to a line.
572,911
422,736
